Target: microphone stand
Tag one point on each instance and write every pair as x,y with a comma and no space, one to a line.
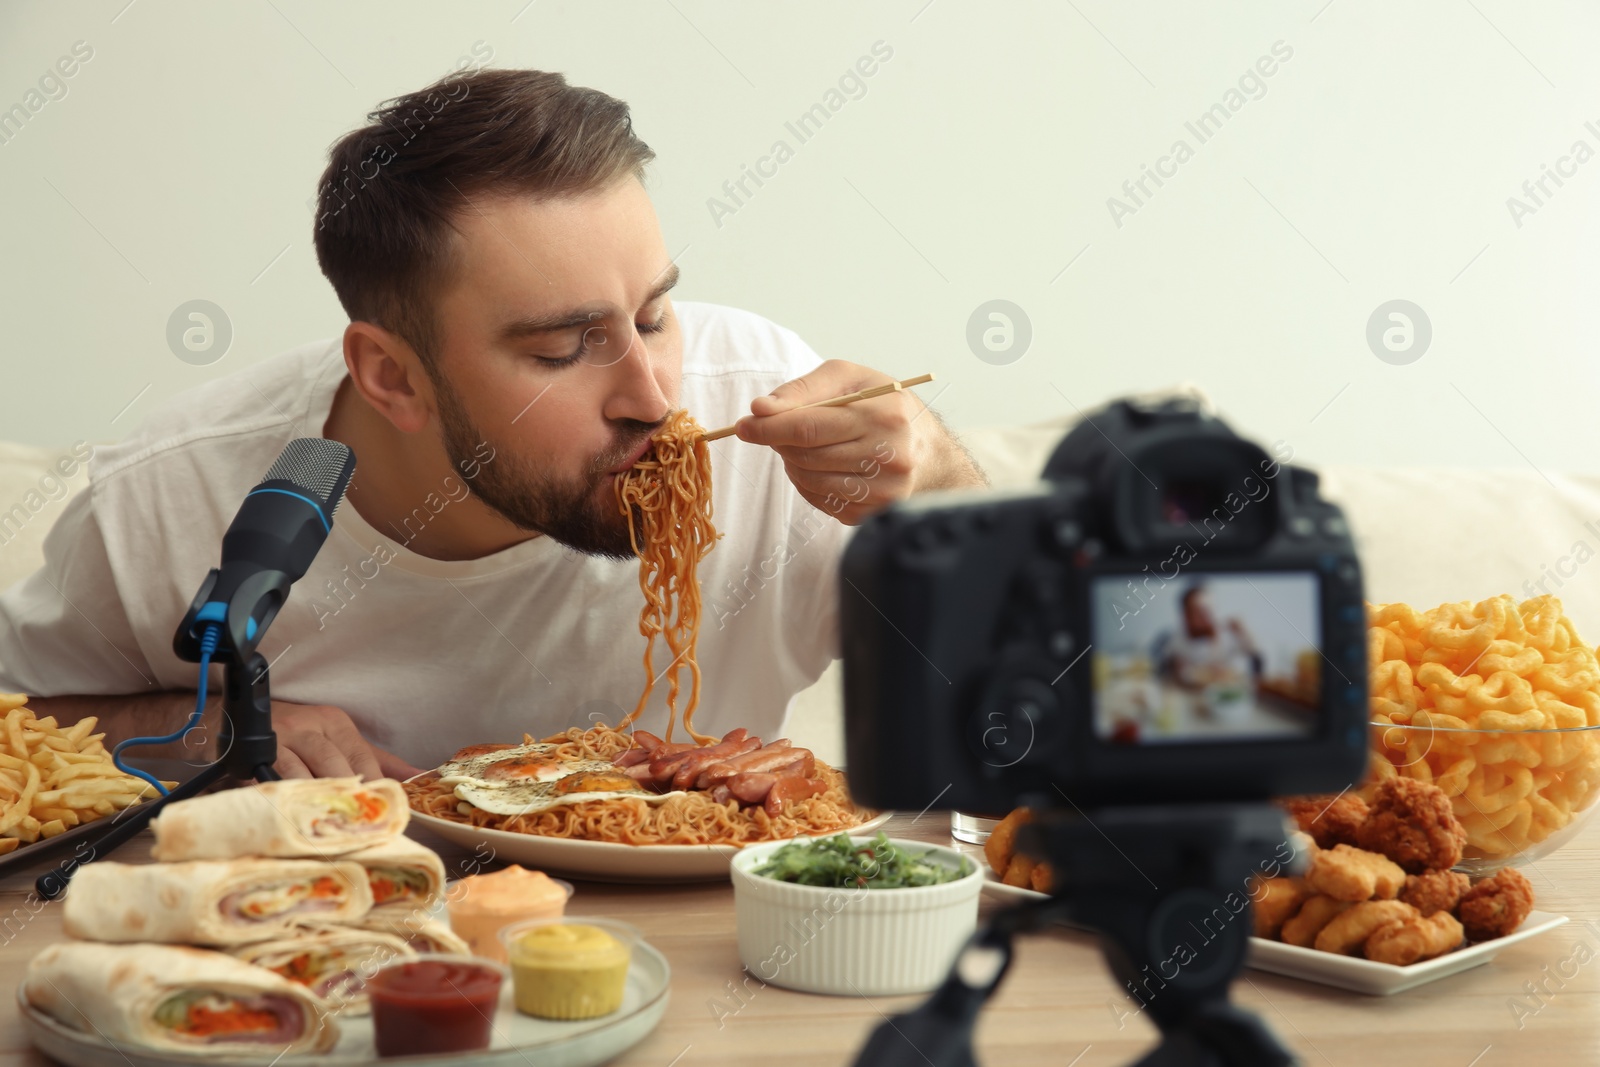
250,747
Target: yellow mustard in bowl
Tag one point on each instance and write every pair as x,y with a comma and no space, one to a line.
569,969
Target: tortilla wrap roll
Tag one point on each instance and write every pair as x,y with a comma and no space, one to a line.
302,817
404,875
210,903
171,997
333,962
423,934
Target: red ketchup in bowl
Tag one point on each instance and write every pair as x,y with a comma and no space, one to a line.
434,1004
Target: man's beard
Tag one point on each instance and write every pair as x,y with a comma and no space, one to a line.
570,510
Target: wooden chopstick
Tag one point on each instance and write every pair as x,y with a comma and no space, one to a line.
848,398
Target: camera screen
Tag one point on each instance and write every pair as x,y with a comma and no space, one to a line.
1215,657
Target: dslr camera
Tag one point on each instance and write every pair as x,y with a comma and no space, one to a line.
1172,616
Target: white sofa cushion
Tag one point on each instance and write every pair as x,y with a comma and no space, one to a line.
32,495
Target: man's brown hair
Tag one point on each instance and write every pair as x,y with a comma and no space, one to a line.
386,202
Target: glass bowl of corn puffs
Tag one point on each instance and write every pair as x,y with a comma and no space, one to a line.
1498,704
1519,795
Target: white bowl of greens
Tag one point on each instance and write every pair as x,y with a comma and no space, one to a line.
853,915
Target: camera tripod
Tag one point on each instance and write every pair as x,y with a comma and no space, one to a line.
1166,889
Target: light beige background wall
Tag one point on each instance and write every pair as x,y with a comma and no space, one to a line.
976,164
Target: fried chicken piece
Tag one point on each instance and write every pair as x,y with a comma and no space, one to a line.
1043,878
1019,872
1349,930
1411,941
1329,819
1412,823
1347,873
1002,842
1435,891
1308,922
1274,901
1497,905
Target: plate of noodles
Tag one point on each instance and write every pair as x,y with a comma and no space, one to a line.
569,805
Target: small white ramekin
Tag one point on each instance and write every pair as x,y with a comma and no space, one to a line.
873,942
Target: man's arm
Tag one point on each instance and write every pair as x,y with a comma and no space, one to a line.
313,740
949,465
141,715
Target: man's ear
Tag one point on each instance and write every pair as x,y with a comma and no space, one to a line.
389,374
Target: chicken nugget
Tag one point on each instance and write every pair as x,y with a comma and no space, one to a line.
1352,874
1329,819
1411,941
1043,878
1274,901
1413,824
1348,931
1308,922
1497,905
1435,891
1002,842
1019,872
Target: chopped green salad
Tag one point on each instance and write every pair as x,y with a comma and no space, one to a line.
839,863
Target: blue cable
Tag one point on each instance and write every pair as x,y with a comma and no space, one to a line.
208,645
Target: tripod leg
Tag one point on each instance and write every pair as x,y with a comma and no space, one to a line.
125,826
250,748
1220,1034
939,1031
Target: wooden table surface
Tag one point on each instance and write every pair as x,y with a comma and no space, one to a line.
1058,1006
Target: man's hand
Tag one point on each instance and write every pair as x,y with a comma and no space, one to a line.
854,459
315,741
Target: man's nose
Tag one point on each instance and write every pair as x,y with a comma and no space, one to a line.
638,395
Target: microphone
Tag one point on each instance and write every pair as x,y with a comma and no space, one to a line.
270,544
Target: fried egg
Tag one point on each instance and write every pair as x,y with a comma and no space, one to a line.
526,779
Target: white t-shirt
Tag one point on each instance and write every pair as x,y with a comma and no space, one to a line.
429,655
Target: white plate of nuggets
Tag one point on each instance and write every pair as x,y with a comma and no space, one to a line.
1378,909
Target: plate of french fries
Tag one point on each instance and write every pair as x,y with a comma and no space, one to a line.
54,779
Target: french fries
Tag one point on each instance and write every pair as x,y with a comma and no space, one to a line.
52,779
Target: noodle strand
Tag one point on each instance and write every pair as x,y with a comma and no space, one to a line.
668,493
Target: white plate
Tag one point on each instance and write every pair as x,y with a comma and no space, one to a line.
1385,979
996,888
1015,894
556,1044
1347,972
601,861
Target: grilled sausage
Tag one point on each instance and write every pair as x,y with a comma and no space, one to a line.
765,759
788,790
687,771
751,788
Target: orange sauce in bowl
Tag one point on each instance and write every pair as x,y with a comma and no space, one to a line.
482,905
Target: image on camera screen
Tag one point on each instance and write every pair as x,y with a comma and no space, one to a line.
1215,657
